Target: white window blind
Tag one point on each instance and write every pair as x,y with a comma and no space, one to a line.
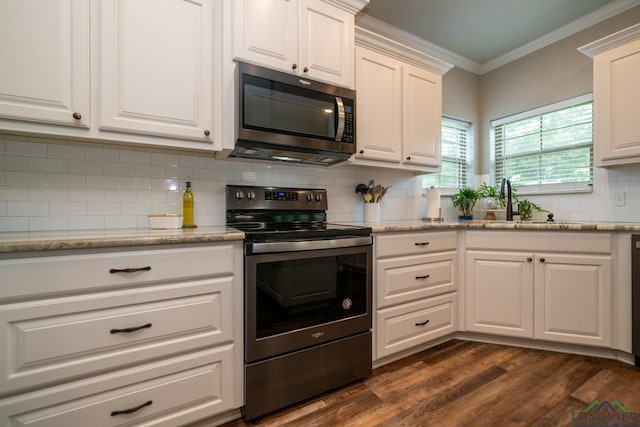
455,152
547,149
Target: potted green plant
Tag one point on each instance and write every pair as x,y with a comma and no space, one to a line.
526,208
465,200
490,197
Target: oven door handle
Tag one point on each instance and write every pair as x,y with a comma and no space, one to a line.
309,245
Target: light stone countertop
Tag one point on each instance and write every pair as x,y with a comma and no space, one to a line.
391,226
87,239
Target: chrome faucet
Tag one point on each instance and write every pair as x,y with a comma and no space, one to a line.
510,212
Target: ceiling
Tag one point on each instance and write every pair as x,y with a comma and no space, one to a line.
484,31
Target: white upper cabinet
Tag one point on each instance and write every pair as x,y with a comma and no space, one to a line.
310,38
379,108
157,64
44,46
399,110
616,67
127,71
421,116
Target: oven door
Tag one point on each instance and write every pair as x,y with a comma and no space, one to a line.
300,298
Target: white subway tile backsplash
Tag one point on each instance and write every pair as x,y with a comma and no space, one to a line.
37,164
27,209
27,179
169,184
102,182
67,208
17,146
103,208
136,208
192,162
65,180
37,194
14,223
152,196
85,167
162,159
120,195
135,183
86,195
14,194
119,169
49,184
69,152
86,222
13,163
101,154
120,222
135,157
151,171
48,223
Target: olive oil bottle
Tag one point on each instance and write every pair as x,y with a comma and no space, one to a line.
187,207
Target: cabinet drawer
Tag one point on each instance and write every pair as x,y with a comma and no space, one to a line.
411,278
180,391
61,338
414,243
407,325
47,275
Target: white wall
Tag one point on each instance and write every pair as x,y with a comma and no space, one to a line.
48,184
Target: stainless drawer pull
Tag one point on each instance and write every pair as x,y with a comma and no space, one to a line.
421,243
129,270
422,323
422,277
126,330
132,410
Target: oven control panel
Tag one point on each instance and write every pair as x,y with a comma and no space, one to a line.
251,197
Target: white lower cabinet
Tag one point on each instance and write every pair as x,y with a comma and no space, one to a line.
559,289
415,288
131,336
499,296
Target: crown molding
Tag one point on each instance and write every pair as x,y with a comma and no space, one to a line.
366,25
399,51
611,41
353,6
445,55
574,27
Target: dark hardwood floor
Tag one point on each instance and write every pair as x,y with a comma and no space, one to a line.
463,383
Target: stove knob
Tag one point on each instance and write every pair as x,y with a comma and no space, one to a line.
251,195
310,197
239,195
319,197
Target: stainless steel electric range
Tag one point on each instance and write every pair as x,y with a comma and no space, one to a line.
307,296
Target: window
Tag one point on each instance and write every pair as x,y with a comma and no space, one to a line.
456,155
548,149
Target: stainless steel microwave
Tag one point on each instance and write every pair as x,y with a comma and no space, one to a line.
286,117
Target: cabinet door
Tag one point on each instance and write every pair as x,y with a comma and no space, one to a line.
44,46
499,293
265,32
421,116
326,39
378,114
616,94
157,67
573,299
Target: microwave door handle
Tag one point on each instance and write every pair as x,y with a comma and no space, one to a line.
340,117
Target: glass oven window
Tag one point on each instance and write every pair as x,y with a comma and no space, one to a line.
302,293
